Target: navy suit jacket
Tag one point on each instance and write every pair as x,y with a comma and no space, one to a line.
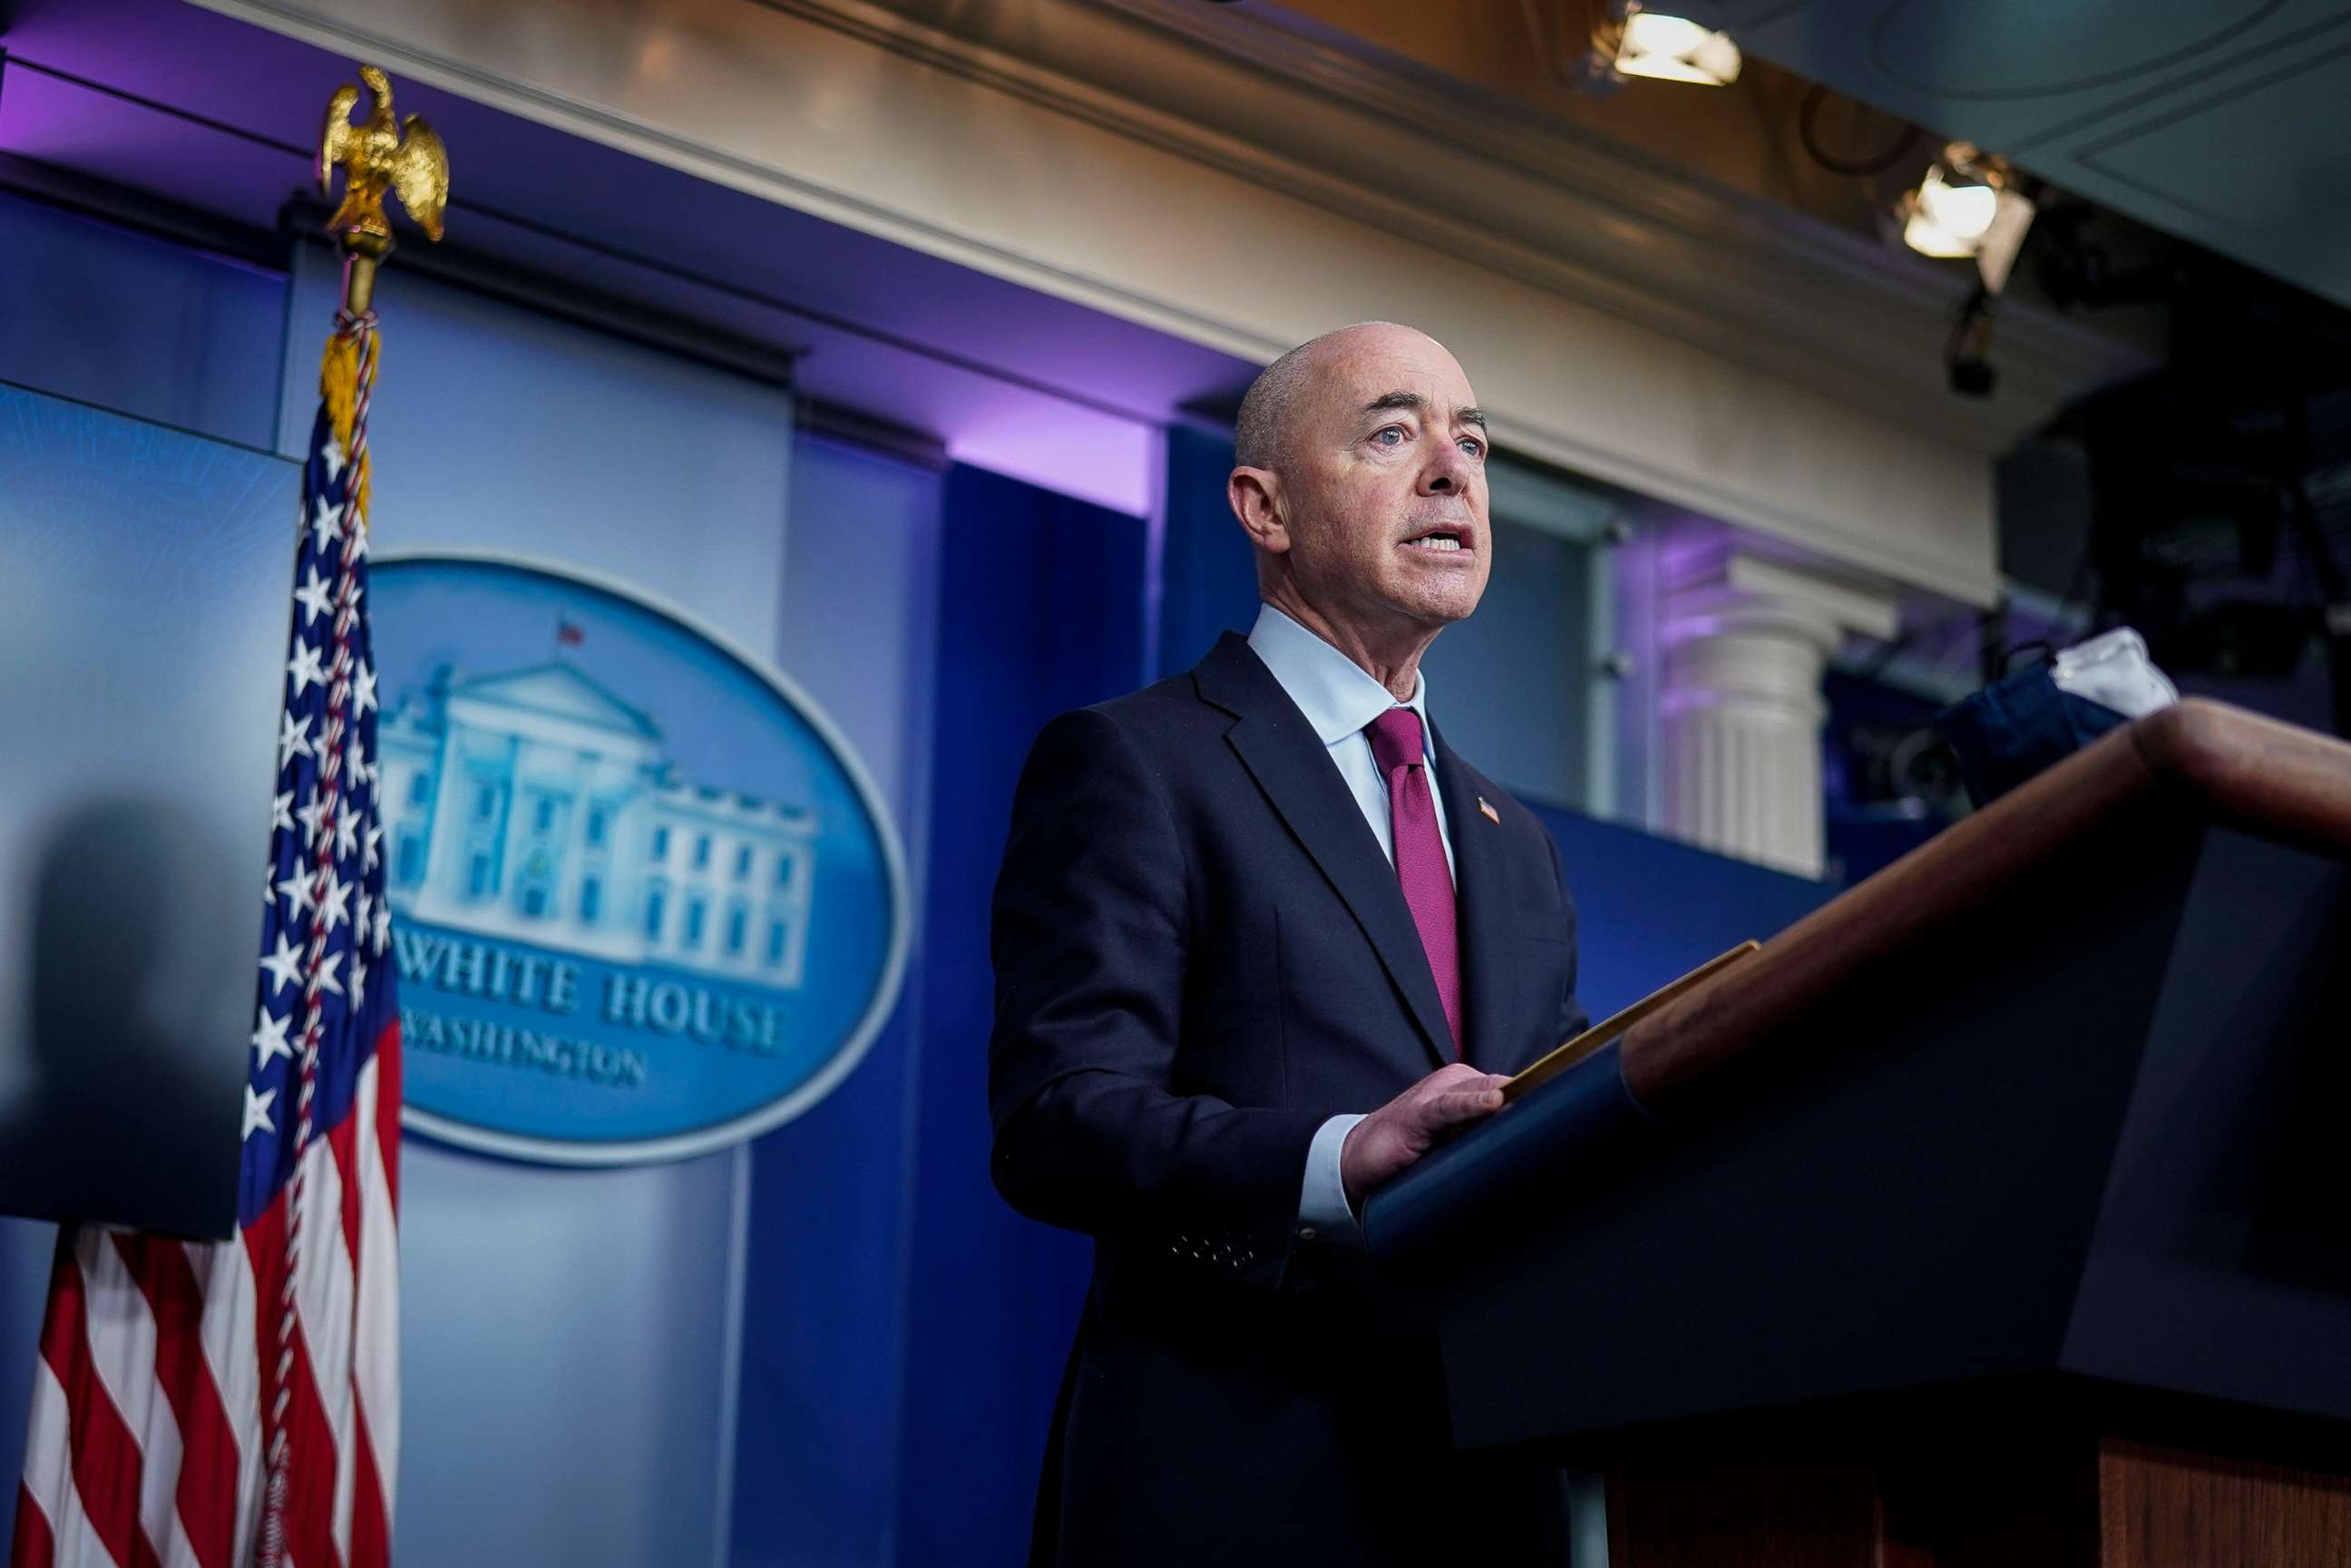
1201,954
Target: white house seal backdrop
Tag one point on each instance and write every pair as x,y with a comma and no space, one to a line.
648,903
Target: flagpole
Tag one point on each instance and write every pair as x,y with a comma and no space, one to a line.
377,159
359,281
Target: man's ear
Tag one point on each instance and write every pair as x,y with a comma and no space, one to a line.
1255,494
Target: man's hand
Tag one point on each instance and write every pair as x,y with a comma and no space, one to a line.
1400,1132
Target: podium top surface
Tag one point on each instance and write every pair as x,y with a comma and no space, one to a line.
2200,763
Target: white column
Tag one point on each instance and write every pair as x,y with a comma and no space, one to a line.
1745,641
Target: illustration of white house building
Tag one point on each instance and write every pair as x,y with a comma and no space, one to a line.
535,804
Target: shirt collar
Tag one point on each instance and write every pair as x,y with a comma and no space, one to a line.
1337,695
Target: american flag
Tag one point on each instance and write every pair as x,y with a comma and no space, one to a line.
215,1405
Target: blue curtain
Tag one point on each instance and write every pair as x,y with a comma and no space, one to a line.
1649,909
1208,574
1041,611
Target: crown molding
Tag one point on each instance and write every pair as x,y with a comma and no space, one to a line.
1261,210
1325,121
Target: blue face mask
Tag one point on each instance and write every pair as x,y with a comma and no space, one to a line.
2013,728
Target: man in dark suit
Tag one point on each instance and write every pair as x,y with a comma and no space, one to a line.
1261,936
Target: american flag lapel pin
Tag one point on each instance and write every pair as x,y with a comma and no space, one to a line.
1491,815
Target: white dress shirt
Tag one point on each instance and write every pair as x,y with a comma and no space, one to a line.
1339,698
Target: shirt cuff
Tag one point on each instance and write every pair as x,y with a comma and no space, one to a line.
1322,1200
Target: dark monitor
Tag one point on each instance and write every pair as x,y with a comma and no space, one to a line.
146,578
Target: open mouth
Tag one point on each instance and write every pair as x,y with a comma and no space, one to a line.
1444,538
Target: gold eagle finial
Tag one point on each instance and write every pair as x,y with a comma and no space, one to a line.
376,157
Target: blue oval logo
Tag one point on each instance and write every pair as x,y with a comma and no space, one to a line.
647,903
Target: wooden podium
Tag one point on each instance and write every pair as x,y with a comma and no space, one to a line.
1998,1213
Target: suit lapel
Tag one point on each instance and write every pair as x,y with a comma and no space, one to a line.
1293,768
1481,909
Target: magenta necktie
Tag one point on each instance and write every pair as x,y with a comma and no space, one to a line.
1420,852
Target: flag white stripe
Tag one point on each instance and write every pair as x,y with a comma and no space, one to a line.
121,1342
376,1339
160,1448
323,1300
122,1336
225,1279
48,1450
178,1551
48,1475
79,1543
122,1349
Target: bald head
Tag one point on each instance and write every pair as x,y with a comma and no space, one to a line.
1277,399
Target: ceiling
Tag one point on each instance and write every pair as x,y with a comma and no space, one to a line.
218,117
2227,122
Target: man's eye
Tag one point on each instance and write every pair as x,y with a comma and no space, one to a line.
1473,446
1385,431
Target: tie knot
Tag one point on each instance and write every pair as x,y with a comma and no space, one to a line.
1396,739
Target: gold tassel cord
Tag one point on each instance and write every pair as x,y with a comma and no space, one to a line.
338,384
348,352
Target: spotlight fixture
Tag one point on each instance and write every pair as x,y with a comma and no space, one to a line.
1596,46
1971,206
1672,49
1947,216
1968,205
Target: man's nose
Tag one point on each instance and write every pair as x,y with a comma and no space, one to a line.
1447,473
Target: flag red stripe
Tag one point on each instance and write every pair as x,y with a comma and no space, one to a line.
387,1107
343,1143
310,1496
264,1255
105,1463
206,1491
264,1252
36,1545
